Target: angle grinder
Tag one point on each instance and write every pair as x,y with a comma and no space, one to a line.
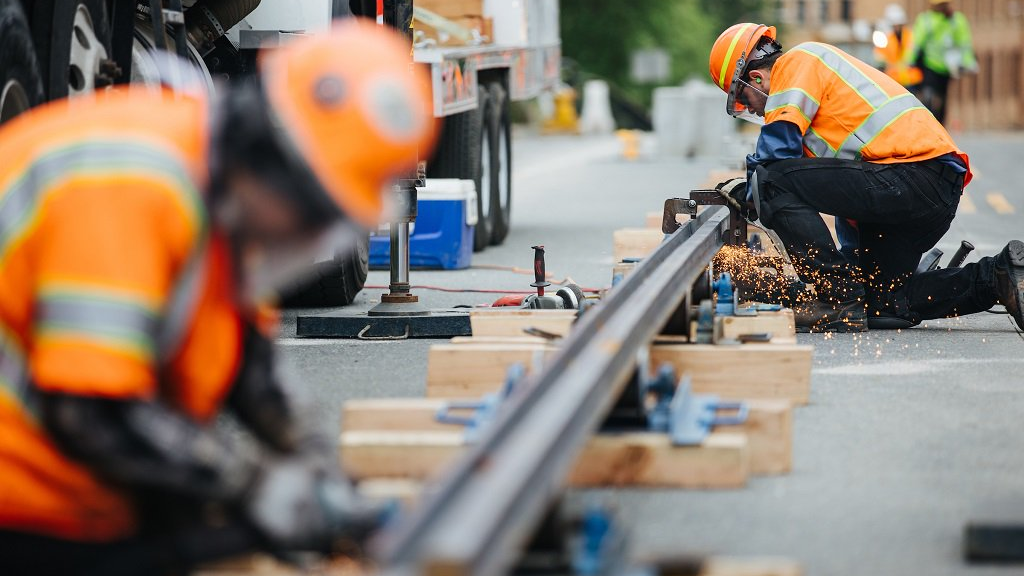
567,297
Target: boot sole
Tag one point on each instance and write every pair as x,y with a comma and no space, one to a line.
1016,273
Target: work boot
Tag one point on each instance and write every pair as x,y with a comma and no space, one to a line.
1010,280
818,316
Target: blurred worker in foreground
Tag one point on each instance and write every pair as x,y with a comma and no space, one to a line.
840,137
892,46
942,48
140,232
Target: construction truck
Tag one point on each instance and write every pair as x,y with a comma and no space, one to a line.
482,55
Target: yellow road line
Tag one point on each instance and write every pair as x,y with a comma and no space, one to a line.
967,205
999,203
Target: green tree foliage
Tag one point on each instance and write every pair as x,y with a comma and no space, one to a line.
601,35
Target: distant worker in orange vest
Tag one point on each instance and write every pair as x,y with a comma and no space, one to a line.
840,137
140,232
892,43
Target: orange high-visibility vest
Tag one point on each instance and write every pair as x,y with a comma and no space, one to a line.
893,57
107,265
848,109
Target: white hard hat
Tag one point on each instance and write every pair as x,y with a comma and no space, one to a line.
895,15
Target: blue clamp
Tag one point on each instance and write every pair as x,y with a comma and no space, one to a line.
725,301
484,410
687,418
600,543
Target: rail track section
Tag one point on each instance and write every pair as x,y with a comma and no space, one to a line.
478,518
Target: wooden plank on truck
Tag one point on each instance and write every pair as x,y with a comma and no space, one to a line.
749,371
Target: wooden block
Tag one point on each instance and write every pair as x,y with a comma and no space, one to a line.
384,454
393,414
726,566
621,270
769,426
514,321
390,489
524,339
472,370
635,242
749,371
769,432
628,459
653,220
781,325
649,459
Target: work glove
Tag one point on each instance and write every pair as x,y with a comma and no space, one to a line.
297,506
735,193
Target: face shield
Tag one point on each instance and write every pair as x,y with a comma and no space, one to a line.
744,100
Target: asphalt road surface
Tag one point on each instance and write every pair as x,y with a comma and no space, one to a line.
908,436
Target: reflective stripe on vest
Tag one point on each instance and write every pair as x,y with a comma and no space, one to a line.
817,145
886,110
876,123
859,82
14,379
104,316
795,97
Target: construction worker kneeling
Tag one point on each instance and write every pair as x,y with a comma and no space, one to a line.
141,233
842,138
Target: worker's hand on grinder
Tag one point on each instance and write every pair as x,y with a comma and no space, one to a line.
300,506
734,191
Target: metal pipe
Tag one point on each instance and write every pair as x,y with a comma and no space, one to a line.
483,512
400,255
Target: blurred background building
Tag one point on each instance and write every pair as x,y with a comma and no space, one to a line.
992,99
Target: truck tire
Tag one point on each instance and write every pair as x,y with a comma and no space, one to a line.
20,86
464,139
72,39
501,149
336,282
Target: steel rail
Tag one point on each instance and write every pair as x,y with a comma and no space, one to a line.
481,514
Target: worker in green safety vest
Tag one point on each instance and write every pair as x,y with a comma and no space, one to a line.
942,49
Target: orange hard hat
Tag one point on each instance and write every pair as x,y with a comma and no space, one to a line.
354,108
734,49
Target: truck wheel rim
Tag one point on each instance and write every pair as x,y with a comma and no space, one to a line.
87,52
13,100
504,185
485,177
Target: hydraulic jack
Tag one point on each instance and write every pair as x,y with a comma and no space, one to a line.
399,314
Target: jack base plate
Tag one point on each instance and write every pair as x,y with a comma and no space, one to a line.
362,326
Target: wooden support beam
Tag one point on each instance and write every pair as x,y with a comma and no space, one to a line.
750,371
628,459
472,370
738,566
635,242
769,426
513,321
781,325
621,270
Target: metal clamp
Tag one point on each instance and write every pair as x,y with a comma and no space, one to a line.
688,418
485,410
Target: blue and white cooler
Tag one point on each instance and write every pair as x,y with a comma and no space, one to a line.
442,235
